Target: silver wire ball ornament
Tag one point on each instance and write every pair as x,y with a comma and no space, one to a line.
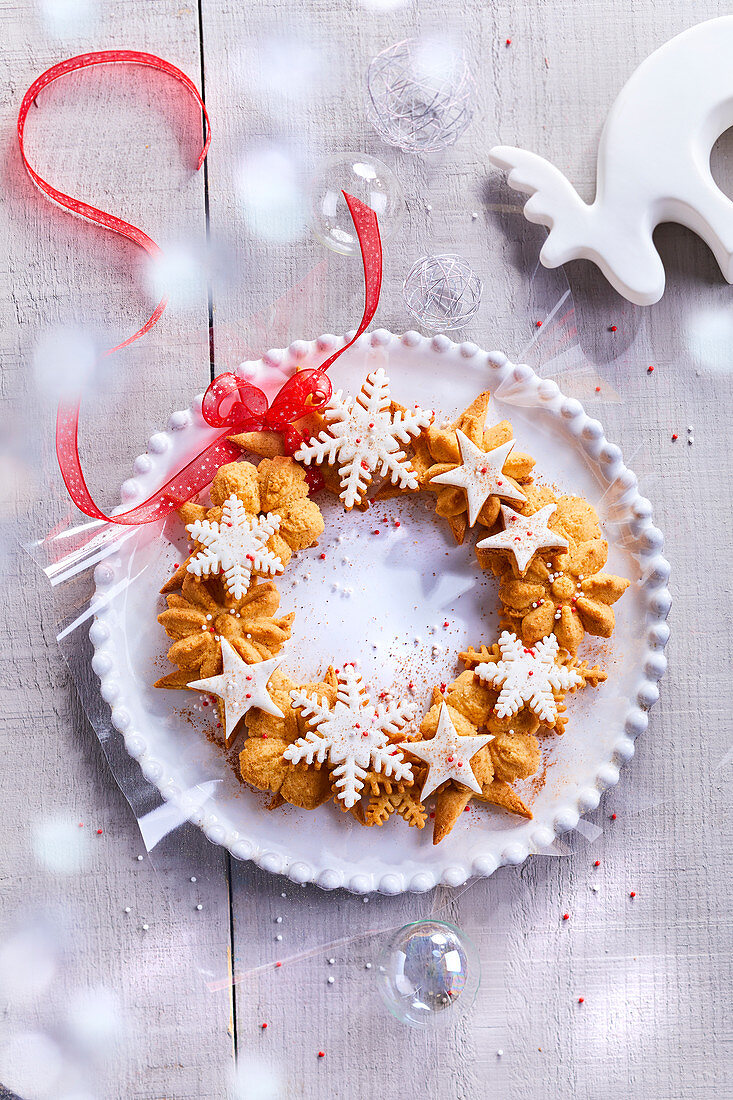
442,292
420,95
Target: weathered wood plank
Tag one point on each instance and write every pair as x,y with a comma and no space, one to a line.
126,141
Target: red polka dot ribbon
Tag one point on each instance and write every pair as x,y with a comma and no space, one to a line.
230,404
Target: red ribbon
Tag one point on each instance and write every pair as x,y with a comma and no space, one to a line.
230,403
91,213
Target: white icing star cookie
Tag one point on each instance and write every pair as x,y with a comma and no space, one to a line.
240,686
480,475
448,754
525,535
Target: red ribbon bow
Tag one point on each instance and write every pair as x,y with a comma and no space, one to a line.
230,403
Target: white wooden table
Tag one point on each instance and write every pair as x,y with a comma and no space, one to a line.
655,972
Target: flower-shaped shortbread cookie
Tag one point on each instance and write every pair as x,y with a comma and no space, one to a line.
203,612
261,761
564,593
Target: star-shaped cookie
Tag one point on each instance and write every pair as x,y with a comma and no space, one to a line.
523,536
448,755
480,475
240,687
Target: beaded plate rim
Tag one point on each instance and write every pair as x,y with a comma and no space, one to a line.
606,457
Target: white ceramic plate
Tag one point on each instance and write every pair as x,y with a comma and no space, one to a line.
383,599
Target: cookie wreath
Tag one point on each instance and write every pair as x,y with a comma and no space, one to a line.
311,743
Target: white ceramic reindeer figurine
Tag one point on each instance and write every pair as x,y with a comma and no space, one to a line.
653,166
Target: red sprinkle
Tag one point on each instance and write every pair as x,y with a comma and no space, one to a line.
632,894
674,436
375,532
580,1000
566,916
508,41
323,557
598,389
321,1054
81,824
99,832
597,863
446,623
263,1026
277,965
649,370
613,817
612,328
538,324
443,687
397,523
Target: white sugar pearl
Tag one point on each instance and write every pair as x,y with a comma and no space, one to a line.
330,980
367,966
278,938
278,920
128,909
145,927
139,859
199,907
283,895
193,878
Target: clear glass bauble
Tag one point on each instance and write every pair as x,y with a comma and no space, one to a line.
428,973
368,179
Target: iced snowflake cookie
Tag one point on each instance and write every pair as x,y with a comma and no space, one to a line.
355,441
335,740
331,741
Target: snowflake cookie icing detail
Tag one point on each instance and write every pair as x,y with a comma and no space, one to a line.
240,686
480,475
448,755
527,676
364,437
523,536
235,546
353,734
